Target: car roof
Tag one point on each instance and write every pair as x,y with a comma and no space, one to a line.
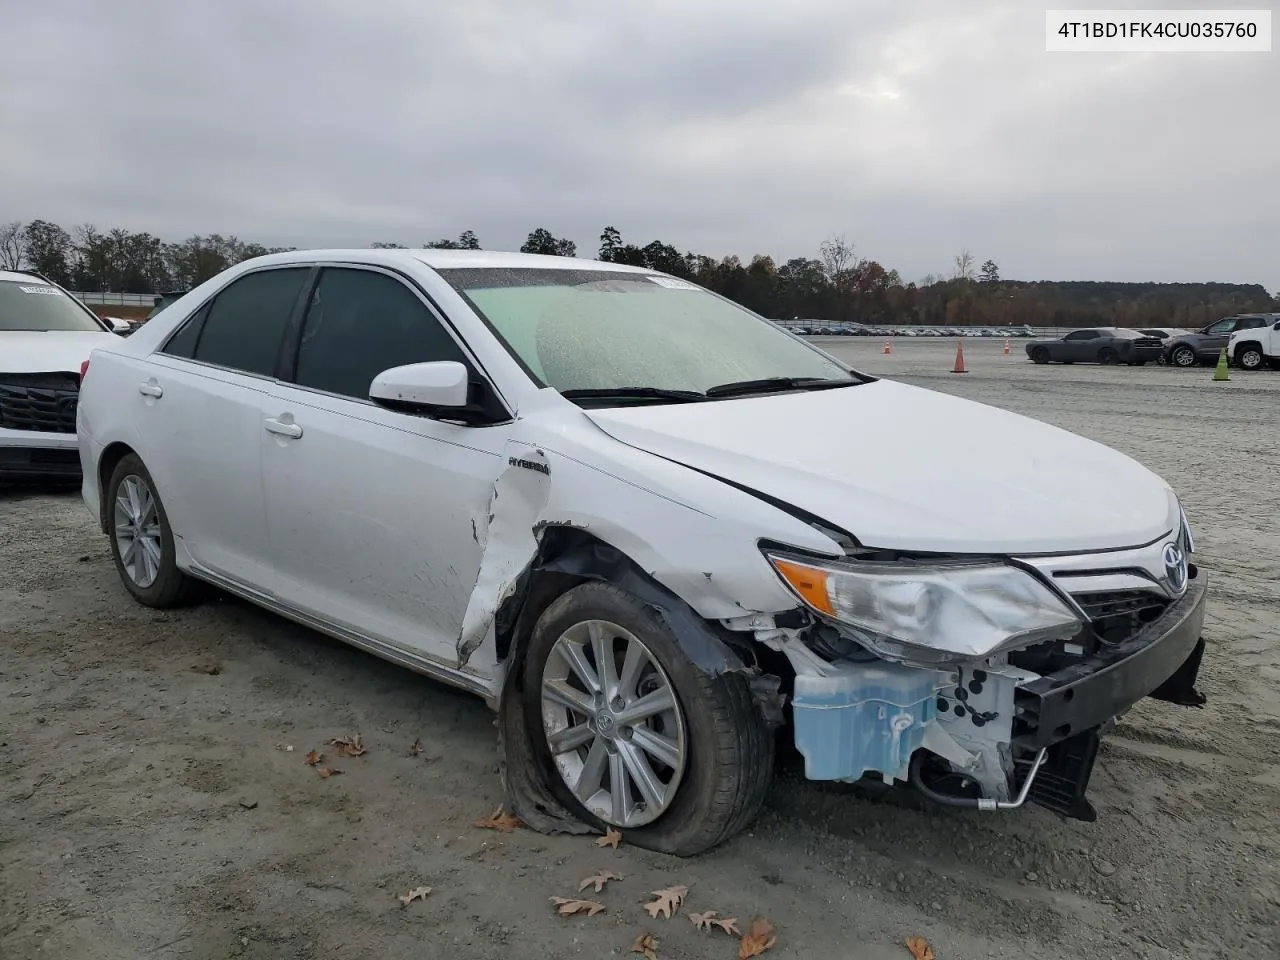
449,259
21,277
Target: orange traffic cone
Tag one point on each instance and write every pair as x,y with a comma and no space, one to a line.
959,367
887,348
1006,346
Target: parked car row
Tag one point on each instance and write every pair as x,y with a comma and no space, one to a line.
611,503
1251,341
820,329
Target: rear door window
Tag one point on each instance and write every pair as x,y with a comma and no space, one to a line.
246,321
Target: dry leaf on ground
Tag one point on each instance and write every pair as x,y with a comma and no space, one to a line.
313,757
419,893
705,921
416,749
567,907
610,839
647,945
668,900
599,879
348,746
758,938
498,820
327,772
920,948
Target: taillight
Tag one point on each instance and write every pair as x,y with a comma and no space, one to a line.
84,368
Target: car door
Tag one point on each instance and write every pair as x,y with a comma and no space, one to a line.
372,512
200,400
1216,336
1078,345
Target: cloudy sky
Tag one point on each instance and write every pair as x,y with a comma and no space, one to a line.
913,127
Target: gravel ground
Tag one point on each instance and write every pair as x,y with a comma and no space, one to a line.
150,804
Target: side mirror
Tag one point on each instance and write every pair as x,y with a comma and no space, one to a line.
422,387
122,327
1276,325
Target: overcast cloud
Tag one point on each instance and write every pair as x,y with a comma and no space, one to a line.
914,127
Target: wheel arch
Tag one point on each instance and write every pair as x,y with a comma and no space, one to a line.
112,454
1240,347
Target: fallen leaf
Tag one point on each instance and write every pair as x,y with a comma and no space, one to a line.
920,948
647,945
327,772
668,900
498,820
599,879
419,893
313,757
416,749
705,921
610,839
567,907
758,938
348,746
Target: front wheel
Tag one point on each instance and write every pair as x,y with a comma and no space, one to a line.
632,734
1040,355
141,539
1106,356
1250,358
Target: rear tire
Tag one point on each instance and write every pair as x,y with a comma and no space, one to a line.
1106,356
1182,356
141,539
725,753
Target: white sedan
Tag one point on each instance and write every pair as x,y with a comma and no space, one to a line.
651,527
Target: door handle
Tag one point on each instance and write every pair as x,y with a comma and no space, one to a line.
149,388
283,429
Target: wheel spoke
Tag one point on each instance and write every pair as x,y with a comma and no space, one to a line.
573,656
130,555
570,738
151,554
559,692
631,666
606,667
657,746
592,776
641,775
618,791
135,504
650,705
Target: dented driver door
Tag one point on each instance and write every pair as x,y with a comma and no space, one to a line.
375,516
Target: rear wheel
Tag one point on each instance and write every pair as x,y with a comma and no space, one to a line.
140,537
1106,355
634,736
1182,356
1039,355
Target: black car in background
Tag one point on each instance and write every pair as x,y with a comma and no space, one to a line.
1098,345
1205,345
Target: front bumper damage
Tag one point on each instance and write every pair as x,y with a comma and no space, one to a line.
990,735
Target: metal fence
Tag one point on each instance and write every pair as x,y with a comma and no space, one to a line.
103,299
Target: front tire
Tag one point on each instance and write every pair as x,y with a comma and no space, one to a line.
677,759
1250,358
1039,355
141,539
1106,356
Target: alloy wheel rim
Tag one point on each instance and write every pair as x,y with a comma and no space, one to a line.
137,531
1184,358
613,723
1250,359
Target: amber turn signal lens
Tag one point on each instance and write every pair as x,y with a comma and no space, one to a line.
809,582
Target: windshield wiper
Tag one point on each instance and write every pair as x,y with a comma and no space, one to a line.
775,385
632,393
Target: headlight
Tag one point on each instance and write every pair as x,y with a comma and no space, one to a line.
936,613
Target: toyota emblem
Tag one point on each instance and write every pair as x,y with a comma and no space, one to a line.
1175,567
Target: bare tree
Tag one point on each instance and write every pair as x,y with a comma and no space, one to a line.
13,245
964,266
837,257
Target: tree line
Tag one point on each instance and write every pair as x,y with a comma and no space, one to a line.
837,285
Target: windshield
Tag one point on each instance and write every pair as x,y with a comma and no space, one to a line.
38,306
599,330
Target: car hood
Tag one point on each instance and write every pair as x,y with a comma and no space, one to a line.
900,467
48,351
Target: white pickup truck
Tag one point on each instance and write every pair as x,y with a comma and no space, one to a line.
1252,349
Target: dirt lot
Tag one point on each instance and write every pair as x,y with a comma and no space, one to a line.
149,806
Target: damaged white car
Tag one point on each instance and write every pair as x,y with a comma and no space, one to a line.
656,531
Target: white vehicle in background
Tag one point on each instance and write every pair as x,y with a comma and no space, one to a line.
649,527
1253,349
46,336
